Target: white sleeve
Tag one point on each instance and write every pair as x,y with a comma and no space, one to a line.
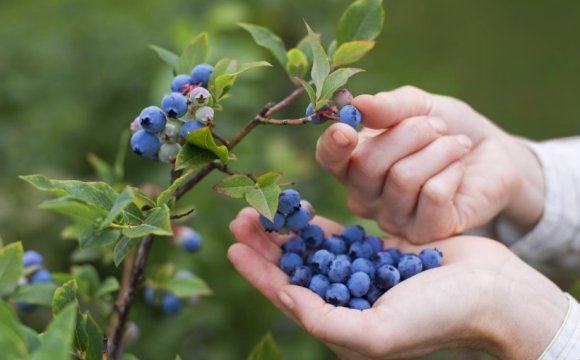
566,343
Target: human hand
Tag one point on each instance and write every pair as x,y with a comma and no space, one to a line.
482,297
428,166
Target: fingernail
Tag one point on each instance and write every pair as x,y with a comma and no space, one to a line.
340,139
286,300
464,141
438,124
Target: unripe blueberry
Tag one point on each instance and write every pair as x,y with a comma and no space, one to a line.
149,295
169,132
270,226
335,245
296,245
174,105
24,307
168,152
319,284
387,276
353,233
359,304
289,262
132,333
135,125
431,258
179,82
190,126
308,206
204,114
342,97
319,118
152,119
201,74
298,220
41,276
32,258
409,265
288,201
337,294
170,304
300,276
199,96
145,144
23,280
350,115
313,236
189,239
359,284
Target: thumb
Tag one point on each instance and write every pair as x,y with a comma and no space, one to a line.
334,148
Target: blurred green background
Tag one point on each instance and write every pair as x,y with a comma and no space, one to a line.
74,74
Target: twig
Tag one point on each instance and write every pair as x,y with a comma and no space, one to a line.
179,216
183,189
105,347
227,170
289,183
127,268
301,121
222,139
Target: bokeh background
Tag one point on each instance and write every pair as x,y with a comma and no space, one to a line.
74,74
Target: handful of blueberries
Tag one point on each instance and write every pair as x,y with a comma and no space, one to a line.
351,269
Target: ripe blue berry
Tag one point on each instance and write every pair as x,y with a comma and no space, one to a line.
189,239
358,284
350,115
168,152
431,258
174,105
170,304
179,82
335,245
295,245
204,114
374,294
25,307
309,257
145,144
409,265
32,258
360,249
199,96
319,284
321,261
359,304
298,220
289,262
319,118
300,276
313,236
201,74
353,233
152,119
382,258
288,201
339,270
345,257
270,226
337,294
41,276
189,127
308,206
149,295
395,254
376,243
363,265
342,97
387,276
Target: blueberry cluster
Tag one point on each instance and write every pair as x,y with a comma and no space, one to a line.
187,238
293,214
36,274
154,136
342,104
169,303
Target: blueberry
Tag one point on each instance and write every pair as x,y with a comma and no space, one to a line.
382,258
409,265
374,294
308,206
309,257
190,126
288,201
360,249
387,276
170,304
132,333
199,96
431,258
168,152
183,274
363,265
298,220
179,82
145,144
353,233
342,97
174,105
289,262
300,276
204,114
345,257
152,119
321,261
201,74
295,245
339,270
319,284
395,254
359,304
191,240
358,284
313,236
350,115
32,258
335,245
41,276
270,226
168,133
337,295
375,242
149,295
319,118
24,307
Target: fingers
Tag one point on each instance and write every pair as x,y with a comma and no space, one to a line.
247,229
334,148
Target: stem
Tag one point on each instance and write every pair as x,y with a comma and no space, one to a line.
222,139
127,268
225,169
300,121
105,347
179,216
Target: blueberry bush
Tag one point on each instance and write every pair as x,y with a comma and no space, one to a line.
118,222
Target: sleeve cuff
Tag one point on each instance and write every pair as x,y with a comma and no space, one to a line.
566,343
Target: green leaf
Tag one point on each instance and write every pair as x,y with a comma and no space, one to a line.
186,287
164,273
11,267
235,186
92,238
72,206
266,350
102,169
123,200
57,340
226,81
12,339
321,65
297,64
203,139
167,56
267,39
335,80
224,66
304,46
81,338
87,279
109,285
64,296
157,222
195,53
166,195
123,247
264,197
129,357
30,338
37,294
192,157
351,52
177,357
363,20
61,278
309,90
332,49
95,334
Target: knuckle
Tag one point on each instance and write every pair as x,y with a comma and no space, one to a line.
418,130
364,166
435,193
402,177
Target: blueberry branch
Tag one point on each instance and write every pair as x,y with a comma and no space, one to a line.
222,139
179,216
301,121
225,169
